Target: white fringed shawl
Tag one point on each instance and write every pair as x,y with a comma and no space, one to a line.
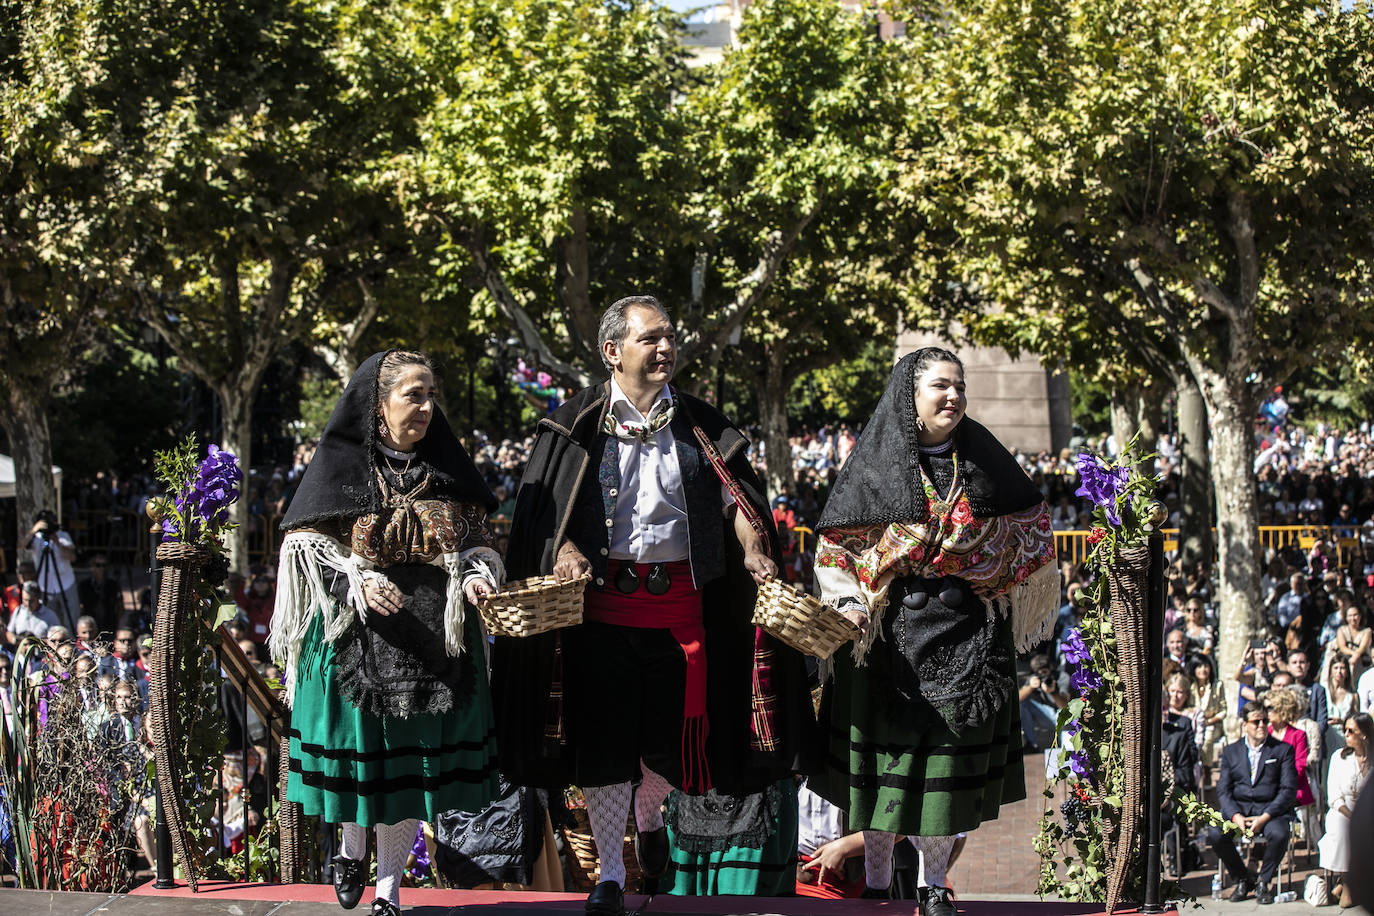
302,593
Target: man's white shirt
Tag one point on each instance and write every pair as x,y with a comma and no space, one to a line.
649,522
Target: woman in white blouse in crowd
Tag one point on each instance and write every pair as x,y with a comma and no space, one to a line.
1349,772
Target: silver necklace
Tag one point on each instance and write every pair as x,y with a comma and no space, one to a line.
389,453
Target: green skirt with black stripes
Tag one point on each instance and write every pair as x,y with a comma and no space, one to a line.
350,766
895,774
769,870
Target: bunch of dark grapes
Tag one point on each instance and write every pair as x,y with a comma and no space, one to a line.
217,569
1076,814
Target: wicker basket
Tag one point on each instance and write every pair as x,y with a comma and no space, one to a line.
535,605
584,866
801,620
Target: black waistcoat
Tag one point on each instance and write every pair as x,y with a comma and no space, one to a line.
590,525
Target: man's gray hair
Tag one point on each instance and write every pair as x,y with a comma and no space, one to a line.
614,325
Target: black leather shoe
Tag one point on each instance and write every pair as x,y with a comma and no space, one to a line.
1263,895
382,907
651,847
606,899
1242,890
350,877
937,901
876,893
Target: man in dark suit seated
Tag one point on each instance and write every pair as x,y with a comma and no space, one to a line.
1257,788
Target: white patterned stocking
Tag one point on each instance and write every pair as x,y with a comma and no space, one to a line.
649,798
878,859
353,844
394,842
608,807
935,852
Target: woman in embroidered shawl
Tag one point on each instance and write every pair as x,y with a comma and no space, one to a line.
936,544
385,671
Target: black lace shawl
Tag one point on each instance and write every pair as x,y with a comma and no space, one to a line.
341,482
881,482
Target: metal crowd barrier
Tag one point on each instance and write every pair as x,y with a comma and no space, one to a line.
1072,546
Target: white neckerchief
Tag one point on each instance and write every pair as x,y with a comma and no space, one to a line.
624,421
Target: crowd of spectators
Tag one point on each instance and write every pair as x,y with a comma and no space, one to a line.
1307,683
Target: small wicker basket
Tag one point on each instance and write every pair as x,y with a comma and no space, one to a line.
801,620
535,605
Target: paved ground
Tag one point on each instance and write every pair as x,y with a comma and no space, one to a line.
23,903
999,858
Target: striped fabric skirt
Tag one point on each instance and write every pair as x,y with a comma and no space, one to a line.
893,773
767,871
350,766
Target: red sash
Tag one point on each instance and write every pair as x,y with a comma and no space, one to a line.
678,611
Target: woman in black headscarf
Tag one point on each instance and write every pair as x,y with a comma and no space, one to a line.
939,547
387,544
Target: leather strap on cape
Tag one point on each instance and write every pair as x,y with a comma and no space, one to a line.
741,503
763,698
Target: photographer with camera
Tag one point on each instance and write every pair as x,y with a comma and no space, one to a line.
54,551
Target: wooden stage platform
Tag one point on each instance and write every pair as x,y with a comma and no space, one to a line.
226,899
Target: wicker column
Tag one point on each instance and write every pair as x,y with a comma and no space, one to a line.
291,835
1128,584
176,604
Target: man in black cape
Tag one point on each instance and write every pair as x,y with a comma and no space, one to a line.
620,487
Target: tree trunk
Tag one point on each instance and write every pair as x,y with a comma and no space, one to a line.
573,274
1124,413
1149,412
1195,539
236,403
1232,408
25,418
773,417
342,353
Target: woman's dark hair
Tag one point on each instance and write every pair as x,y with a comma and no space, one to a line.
1360,621
1201,661
929,356
1365,724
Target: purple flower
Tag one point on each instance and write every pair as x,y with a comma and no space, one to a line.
171,530
1085,679
1081,765
215,485
1073,648
1074,727
205,501
1101,484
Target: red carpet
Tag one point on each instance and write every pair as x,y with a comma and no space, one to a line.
504,903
